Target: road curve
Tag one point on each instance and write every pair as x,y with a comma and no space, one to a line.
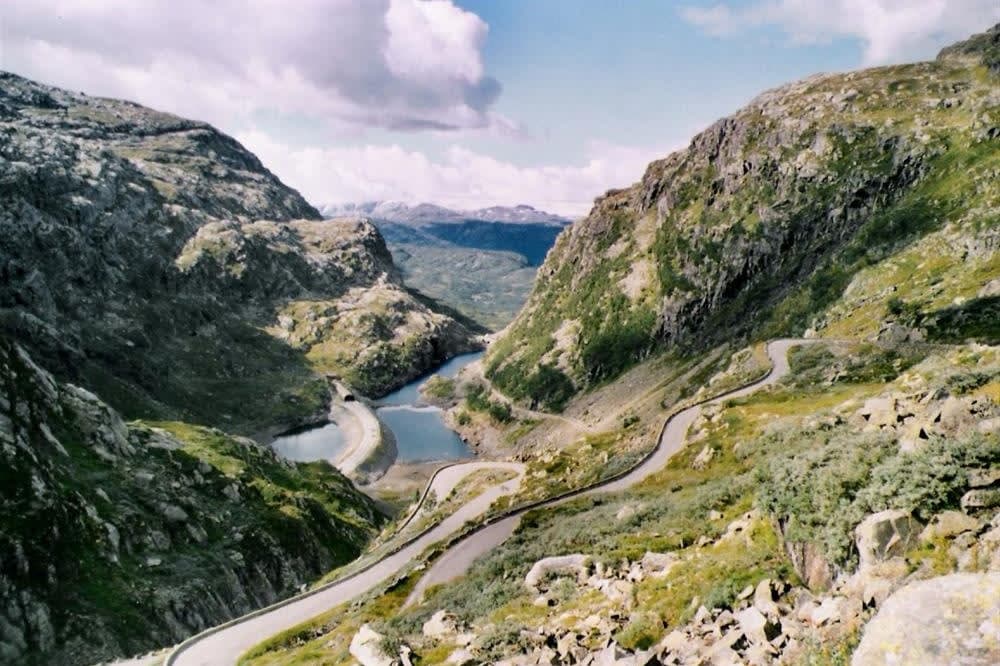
457,560
224,644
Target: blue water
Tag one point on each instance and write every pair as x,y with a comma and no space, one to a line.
410,394
420,431
422,435
324,442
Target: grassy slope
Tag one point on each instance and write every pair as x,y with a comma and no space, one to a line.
760,442
116,573
901,175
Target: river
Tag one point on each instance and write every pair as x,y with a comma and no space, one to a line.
421,434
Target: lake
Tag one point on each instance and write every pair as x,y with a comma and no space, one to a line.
421,434
323,442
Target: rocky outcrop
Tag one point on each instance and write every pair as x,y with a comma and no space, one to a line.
761,223
947,620
144,255
118,537
884,535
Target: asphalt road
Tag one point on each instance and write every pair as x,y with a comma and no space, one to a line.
461,555
224,645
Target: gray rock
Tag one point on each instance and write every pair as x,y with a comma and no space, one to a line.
885,534
441,624
576,565
952,619
949,524
366,648
174,513
981,498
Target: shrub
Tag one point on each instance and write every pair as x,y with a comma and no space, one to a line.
478,401
827,482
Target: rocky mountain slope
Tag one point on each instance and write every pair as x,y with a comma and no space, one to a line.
840,203
480,262
850,512
118,537
155,261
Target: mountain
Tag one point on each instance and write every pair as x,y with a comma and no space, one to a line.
426,213
155,261
814,208
827,500
480,262
117,538
159,283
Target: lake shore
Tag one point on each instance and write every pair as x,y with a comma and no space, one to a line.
371,447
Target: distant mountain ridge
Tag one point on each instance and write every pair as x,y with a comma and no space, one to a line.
481,262
428,213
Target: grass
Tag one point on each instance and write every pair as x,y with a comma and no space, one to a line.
771,453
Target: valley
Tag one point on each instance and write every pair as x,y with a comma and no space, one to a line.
480,262
744,411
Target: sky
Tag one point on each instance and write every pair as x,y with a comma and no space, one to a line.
464,103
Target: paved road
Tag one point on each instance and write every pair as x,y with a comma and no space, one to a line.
459,558
225,644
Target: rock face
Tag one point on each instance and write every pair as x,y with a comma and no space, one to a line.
144,254
947,620
884,535
116,538
761,224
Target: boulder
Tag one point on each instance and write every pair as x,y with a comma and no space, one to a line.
577,565
366,647
827,611
885,534
763,598
461,657
810,564
879,412
441,624
956,413
981,498
951,619
658,565
755,626
948,524
174,513
873,584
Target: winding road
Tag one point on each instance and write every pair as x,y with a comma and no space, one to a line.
224,644
457,560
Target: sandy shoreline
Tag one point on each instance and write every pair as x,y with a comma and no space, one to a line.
371,448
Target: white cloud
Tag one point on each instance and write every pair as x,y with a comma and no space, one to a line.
890,30
398,64
461,178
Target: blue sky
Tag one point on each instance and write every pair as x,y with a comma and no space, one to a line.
463,102
629,73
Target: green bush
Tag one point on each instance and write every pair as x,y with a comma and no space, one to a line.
478,401
825,482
